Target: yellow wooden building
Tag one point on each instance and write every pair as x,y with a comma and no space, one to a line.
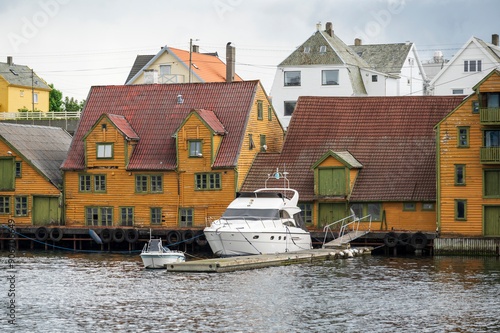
169,156
468,178
22,89
30,179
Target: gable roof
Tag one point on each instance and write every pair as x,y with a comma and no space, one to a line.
206,67
43,147
123,126
343,157
385,58
211,120
21,75
392,137
154,114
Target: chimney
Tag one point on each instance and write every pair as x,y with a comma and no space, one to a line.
357,42
196,48
494,39
230,61
318,26
329,29
9,58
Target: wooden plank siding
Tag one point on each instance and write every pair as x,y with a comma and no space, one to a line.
450,155
30,184
270,128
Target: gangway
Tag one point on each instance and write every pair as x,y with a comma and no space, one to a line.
348,231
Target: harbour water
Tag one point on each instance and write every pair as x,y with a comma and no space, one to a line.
67,292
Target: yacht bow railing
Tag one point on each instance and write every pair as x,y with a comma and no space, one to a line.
347,229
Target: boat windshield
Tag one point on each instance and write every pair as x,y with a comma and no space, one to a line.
233,213
155,245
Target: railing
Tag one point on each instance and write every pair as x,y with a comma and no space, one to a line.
171,78
489,155
38,115
489,116
345,227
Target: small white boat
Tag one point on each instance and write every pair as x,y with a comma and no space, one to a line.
155,255
261,222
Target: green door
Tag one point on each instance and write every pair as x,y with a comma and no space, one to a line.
45,210
7,174
331,212
332,181
492,221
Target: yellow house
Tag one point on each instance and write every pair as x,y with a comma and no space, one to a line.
165,156
22,89
468,178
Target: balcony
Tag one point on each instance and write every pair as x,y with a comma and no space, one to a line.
170,78
489,116
489,155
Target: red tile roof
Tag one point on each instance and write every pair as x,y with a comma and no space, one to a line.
154,113
123,126
392,137
211,119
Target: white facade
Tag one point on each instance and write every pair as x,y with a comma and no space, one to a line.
470,65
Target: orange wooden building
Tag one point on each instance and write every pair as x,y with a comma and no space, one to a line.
168,156
468,178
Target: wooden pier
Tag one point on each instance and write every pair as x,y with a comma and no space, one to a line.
231,264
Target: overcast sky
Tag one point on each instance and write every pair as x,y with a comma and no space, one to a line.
76,44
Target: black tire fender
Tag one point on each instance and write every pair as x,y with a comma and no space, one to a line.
106,235
404,238
419,240
118,235
131,235
41,234
201,240
173,237
188,236
391,239
56,234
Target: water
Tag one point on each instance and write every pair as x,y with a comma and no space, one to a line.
109,292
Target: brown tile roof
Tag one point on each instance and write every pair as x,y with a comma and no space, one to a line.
154,114
391,136
211,119
123,126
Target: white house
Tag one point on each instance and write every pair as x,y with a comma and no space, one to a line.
468,66
325,66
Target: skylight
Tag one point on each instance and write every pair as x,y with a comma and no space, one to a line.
13,72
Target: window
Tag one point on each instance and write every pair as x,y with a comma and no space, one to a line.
322,49
263,146
329,78
22,93
35,97
260,110
126,216
457,91
155,215
374,78
463,137
186,217
491,183
99,183
289,107
409,206
207,181
21,206
475,106
85,183
104,127
307,49
165,69
306,211
18,169
4,204
99,216
472,66
492,138
374,209
104,150
141,183
461,209
269,112
152,182
292,78
195,148
251,145
428,206
493,100
156,183
7,174
459,175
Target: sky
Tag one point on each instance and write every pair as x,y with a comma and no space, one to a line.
76,44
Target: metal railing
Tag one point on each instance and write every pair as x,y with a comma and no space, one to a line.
345,227
38,115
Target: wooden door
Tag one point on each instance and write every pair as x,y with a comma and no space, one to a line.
492,221
7,174
45,210
330,212
332,181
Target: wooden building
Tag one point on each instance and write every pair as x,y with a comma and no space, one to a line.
30,179
468,178
368,155
165,155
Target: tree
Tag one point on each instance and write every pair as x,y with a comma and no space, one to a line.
71,104
55,99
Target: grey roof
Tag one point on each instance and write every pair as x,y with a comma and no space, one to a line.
493,50
21,75
432,68
43,147
384,58
139,63
347,157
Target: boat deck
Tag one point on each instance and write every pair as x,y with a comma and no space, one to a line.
231,264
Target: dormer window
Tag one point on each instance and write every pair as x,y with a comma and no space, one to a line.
307,49
322,49
195,148
104,150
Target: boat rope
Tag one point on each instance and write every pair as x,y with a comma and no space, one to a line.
248,241
88,251
293,241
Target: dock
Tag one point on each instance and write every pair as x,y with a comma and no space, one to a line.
240,263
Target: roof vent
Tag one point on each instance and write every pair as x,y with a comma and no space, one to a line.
494,39
180,100
9,61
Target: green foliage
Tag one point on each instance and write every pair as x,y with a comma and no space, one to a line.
55,99
71,104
